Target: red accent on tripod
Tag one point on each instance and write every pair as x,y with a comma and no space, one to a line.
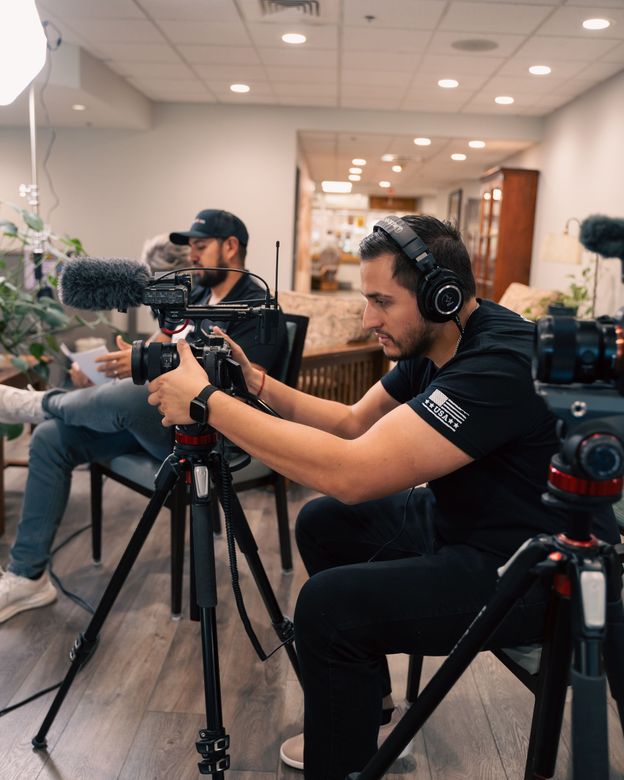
205,438
599,488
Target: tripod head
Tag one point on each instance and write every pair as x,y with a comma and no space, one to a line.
587,356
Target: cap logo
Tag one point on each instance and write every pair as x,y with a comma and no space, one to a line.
199,222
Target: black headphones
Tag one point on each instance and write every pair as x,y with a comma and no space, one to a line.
440,295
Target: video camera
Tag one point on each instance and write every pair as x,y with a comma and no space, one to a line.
588,356
169,299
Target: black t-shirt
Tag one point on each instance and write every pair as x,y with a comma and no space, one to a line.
245,332
483,400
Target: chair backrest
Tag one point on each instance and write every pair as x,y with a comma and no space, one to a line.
296,329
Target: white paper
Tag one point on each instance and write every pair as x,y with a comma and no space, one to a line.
86,363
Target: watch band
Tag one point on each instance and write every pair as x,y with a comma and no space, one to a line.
199,405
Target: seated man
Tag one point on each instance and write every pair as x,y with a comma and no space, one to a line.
112,419
395,571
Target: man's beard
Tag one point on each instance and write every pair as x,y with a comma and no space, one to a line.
211,277
413,344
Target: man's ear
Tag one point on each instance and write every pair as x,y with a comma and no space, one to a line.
230,245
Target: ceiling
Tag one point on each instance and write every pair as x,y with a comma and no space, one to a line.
360,54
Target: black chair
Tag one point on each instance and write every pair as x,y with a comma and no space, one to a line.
138,470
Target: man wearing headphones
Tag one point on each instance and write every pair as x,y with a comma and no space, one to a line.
395,570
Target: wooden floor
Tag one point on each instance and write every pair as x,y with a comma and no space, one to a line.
134,711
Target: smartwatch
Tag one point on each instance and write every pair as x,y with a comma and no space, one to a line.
198,409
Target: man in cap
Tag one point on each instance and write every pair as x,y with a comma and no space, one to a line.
102,422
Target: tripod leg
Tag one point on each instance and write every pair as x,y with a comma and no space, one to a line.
247,544
614,644
550,692
213,742
590,746
516,580
85,643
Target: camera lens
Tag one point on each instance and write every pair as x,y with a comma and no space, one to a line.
569,350
149,361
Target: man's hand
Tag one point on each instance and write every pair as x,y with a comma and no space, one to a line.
173,391
78,377
117,364
253,376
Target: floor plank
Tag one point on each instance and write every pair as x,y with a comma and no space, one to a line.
135,710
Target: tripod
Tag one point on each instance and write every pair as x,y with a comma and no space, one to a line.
194,459
585,629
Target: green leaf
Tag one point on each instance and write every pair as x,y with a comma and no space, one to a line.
37,350
11,431
20,363
32,220
8,228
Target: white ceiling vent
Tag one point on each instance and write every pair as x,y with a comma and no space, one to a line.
305,6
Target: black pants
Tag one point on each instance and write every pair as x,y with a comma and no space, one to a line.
417,596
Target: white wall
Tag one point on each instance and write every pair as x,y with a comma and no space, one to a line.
581,164
118,187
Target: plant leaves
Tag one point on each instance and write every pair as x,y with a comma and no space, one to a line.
32,220
11,431
37,350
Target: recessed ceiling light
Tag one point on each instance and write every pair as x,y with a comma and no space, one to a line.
540,70
336,186
476,144
358,161
504,100
354,177
448,83
487,196
355,170
384,184
388,157
596,24
397,168
474,44
294,38
79,107
422,141
458,156
240,88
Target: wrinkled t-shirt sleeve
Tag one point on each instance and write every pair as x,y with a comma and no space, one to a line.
480,402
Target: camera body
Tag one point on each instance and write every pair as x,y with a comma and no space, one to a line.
149,361
587,358
170,300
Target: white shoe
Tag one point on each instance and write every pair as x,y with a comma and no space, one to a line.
291,751
18,594
21,406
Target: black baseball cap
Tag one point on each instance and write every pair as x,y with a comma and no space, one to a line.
213,223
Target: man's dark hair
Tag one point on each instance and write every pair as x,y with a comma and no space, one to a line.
443,240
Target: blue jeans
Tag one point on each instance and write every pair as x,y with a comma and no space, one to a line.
86,425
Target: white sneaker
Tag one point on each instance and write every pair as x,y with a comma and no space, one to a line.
21,406
291,751
18,594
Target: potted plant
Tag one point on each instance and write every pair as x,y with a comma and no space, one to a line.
579,299
31,318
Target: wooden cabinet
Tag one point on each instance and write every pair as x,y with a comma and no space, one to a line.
503,249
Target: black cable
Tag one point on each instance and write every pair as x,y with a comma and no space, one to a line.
56,579
72,597
52,45
399,532
226,492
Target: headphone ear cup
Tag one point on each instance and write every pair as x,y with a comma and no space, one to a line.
440,295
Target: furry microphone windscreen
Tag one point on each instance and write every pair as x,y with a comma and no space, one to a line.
604,235
100,284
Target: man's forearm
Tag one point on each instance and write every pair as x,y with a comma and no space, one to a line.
296,406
